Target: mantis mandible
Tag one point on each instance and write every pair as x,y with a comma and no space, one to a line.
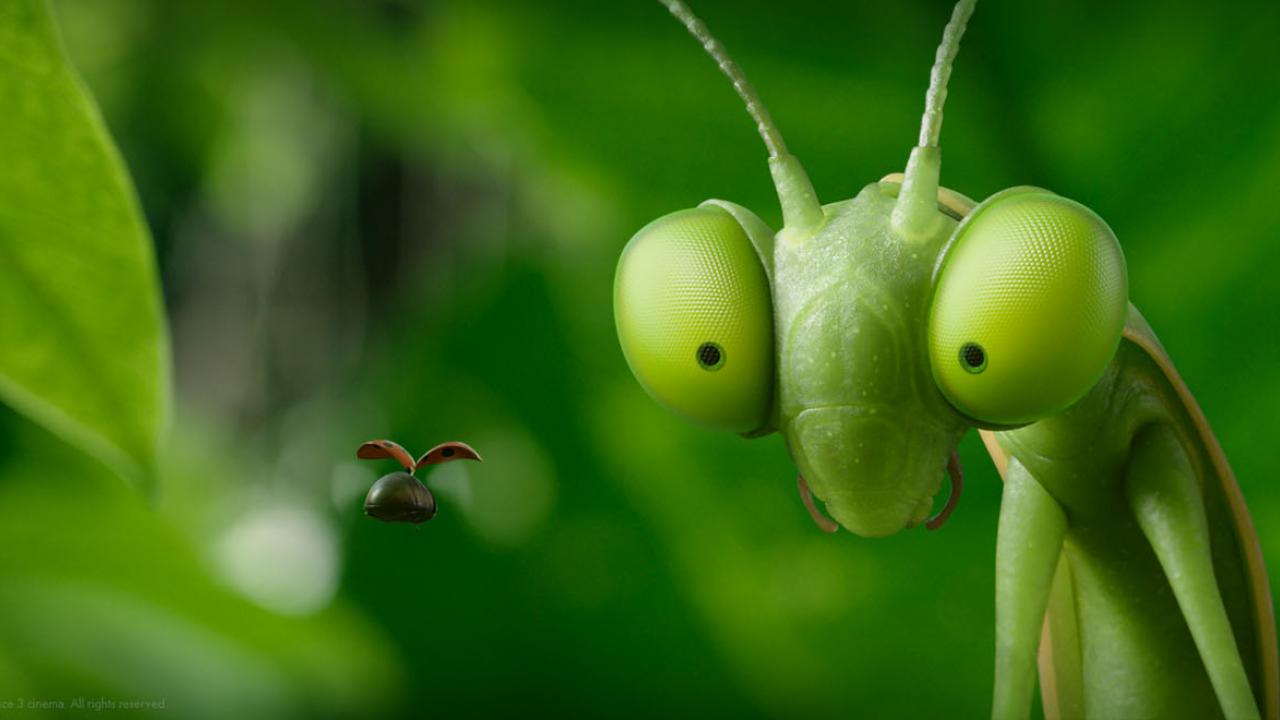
873,332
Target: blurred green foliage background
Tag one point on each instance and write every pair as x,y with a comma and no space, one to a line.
390,218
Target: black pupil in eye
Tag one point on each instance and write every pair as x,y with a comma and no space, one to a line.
973,356
447,452
710,355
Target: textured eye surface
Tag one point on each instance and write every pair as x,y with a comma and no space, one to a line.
695,319
1028,307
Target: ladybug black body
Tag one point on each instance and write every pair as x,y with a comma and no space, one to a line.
400,497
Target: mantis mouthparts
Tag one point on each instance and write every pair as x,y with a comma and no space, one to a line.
824,523
957,484
954,471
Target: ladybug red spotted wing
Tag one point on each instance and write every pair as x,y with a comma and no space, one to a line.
400,497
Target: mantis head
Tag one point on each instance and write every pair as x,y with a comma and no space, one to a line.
874,331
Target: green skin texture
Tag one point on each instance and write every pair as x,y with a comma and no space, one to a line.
862,416
868,427
1124,466
1111,517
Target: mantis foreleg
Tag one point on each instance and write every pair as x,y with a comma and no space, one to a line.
1032,527
1163,491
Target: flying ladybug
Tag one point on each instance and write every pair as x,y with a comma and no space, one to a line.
399,496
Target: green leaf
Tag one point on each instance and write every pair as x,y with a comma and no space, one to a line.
83,347
105,597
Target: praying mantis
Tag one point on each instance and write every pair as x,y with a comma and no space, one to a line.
873,332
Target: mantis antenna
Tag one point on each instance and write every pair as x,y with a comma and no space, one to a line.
800,209
764,124
916,208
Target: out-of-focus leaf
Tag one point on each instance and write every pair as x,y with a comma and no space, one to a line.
105,598
83,347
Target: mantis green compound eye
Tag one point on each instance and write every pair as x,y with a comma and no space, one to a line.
1028,308
695,318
